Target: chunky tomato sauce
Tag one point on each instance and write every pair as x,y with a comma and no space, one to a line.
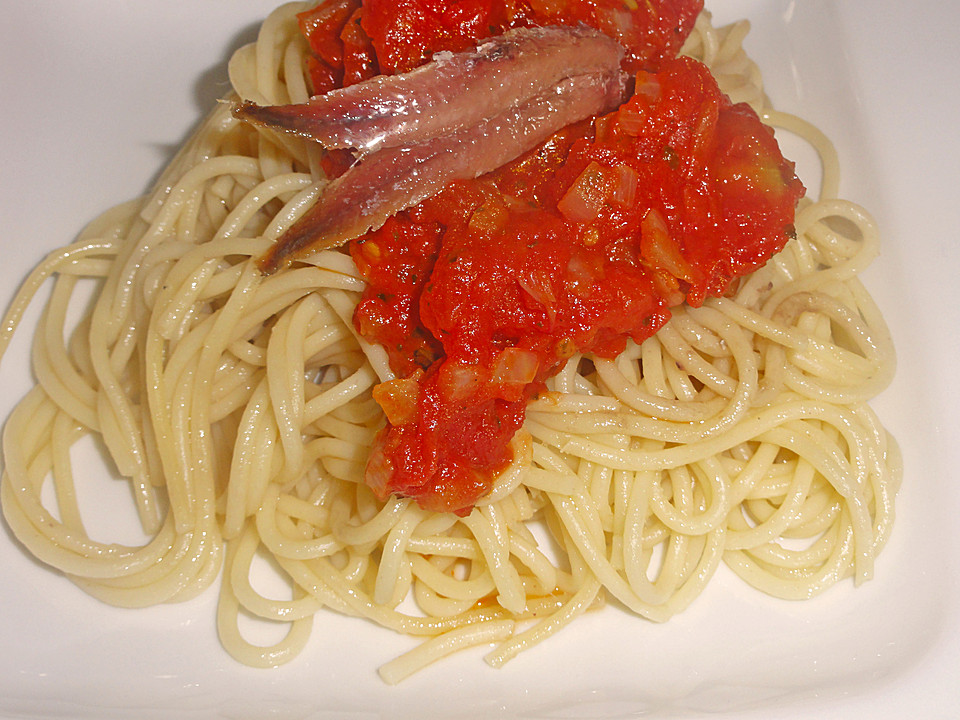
353,41
482,292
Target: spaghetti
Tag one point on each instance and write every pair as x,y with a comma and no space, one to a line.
239,408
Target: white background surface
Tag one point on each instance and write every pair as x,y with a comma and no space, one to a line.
96,96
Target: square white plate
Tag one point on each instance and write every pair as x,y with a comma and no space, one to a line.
96,97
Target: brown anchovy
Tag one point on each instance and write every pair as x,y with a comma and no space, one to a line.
457,117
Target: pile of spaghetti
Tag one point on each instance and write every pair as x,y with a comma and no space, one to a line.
239,407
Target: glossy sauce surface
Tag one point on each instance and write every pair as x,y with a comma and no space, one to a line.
481,293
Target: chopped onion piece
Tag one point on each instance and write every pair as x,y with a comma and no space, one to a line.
399,398
660,249
625,194
515,368
458,381
588,194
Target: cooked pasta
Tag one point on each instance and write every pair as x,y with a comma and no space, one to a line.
238,407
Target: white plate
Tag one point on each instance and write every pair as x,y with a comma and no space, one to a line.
95,98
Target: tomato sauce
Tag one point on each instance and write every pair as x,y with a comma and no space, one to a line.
395,36
481,293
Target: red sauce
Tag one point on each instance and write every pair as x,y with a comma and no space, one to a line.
395,36
482,292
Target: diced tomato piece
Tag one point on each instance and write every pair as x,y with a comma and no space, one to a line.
323,78
322,25
406,33
359,57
